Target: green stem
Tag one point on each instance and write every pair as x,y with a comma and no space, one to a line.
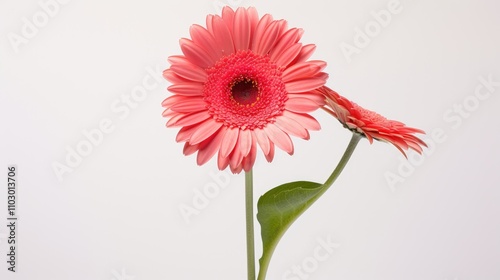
342,163
265,260
249,224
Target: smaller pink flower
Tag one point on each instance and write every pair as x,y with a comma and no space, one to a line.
370,124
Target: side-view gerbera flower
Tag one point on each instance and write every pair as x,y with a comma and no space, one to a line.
242,82
370,124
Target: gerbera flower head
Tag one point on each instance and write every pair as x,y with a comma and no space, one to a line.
242,82
370,124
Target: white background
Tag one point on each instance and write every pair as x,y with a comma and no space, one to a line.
116,215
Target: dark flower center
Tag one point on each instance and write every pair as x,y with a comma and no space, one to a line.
245,91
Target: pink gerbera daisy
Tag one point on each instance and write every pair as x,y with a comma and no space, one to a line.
242,82
371,124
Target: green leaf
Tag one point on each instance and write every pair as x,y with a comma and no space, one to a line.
278,209
281,206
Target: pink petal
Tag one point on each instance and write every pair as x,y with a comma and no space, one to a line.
289,55
418,141
270,155
175,118
262,139
201,37
185,133
259,31
341,112
301,105
304,120
235,160
241,30
321,75
172,77
230,140
292,127
205,130
415,146
253,19
178,59
399,142
317,98
222,36
195,54
319,63
304,85
222,162
302,70
190,89
168,113
237,169
228,17
171,100
209,22
290,38
278,137
190,72
269,37
190,105
189,119
368,136
401,150
249,160
305,53
189,149
210,147
245,142
409,130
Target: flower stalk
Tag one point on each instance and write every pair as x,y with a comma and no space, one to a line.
282,210
249,225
